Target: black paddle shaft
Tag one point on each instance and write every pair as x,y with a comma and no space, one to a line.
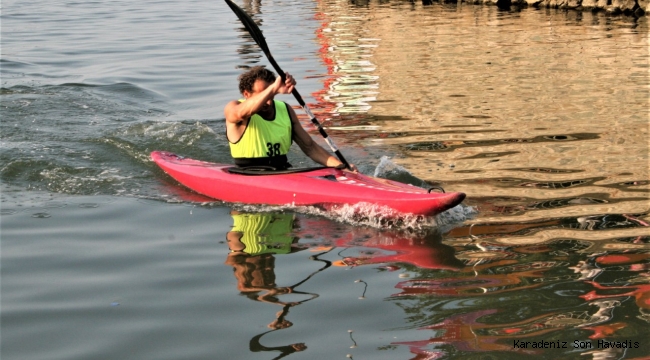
256,33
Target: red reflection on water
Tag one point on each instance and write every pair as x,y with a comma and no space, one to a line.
641,293
424,251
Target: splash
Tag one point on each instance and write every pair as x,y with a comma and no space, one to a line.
373,215
387,169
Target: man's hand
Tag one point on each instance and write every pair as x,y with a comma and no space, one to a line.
353,167
286,86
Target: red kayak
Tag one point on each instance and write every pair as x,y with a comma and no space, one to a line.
302,187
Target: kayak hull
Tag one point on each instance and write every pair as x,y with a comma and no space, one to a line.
317,187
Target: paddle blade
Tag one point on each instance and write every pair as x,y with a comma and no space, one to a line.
250,25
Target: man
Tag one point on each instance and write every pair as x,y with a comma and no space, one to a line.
260,130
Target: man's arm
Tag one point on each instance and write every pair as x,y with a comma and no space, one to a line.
309,146
237,112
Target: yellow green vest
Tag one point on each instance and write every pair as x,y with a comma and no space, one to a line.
264,233
265,138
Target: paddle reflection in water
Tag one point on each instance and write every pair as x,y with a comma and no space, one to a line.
253,242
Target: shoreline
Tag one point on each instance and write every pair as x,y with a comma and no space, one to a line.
635,8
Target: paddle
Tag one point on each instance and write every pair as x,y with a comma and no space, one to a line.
256,33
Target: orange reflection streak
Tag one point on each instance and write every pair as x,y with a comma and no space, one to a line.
641,293
631,258
324,107
603,331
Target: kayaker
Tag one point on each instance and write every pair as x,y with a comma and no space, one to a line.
260,130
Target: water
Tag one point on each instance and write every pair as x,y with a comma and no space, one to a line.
540,116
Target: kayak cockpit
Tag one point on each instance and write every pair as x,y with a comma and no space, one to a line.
269,170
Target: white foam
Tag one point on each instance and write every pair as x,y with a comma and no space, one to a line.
376,216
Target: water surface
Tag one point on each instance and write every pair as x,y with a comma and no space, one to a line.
540,116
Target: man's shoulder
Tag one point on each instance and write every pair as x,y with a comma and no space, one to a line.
230,112
235,102
231,103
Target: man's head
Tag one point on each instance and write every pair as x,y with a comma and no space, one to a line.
247,80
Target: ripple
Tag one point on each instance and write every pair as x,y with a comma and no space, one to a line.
547,170
558,203
88,205
491,155
557,184
41,215
54,205
451,145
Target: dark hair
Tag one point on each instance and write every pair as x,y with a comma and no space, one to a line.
247,79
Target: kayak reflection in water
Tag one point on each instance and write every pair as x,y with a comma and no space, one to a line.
253,242
425,251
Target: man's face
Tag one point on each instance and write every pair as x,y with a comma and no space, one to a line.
258,87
